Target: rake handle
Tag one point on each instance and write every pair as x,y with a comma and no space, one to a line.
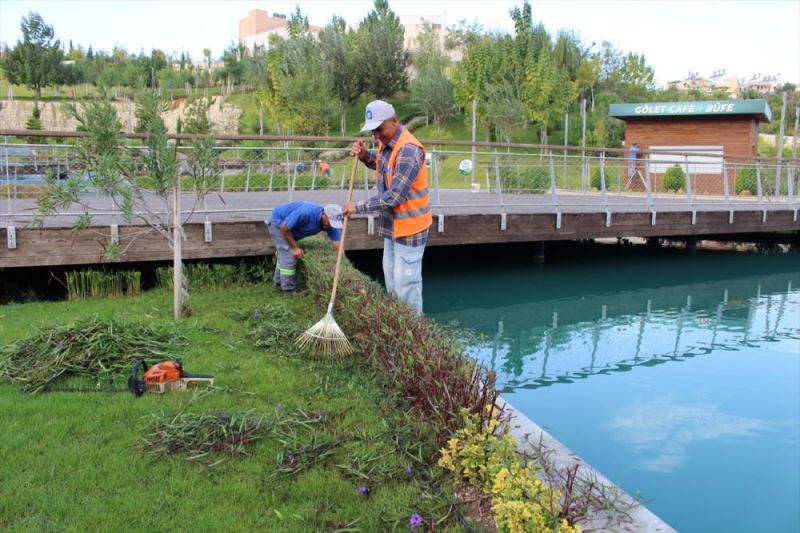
340,252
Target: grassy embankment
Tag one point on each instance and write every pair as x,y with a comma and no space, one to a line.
74,461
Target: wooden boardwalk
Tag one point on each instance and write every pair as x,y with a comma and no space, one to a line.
466,218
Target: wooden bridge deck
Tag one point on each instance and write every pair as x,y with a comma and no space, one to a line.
468,218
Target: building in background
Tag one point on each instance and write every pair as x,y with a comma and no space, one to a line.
414,25
734,86
257,27
761,84
707,132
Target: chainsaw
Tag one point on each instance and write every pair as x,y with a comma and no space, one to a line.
163,377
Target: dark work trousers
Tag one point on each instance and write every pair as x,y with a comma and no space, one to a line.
286,264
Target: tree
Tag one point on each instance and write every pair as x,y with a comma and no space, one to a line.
587,75
207,55
546,92
462,35
339,49
529,39
233,59
431,90
381,60
34,61
503,109
120,172
567,53
300,80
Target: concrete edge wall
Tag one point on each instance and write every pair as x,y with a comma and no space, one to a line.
528,433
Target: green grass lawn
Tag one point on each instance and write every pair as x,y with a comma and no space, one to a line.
73,461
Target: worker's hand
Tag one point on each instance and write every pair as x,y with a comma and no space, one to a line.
358,150
348,209
297,253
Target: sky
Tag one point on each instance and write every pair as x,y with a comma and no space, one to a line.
744,37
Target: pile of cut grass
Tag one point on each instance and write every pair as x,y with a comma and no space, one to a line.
99,349
201,434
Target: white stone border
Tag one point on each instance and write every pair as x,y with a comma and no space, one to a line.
529,434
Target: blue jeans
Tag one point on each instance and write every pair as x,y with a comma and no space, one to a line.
402,269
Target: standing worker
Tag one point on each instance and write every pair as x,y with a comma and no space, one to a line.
402,202
633,171
292,222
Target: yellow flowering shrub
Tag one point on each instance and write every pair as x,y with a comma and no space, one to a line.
489,461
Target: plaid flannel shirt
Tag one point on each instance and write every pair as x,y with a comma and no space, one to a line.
406,167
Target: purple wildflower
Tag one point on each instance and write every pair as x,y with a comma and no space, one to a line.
279,405
408,470
363,490
414,521
60,345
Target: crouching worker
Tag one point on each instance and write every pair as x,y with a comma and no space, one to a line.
295,221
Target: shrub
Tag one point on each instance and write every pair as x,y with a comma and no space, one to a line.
746,180
612,176
34,123
525,178
674,179
485,456
422,365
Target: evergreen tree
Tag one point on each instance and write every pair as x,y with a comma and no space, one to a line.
381,59
338,49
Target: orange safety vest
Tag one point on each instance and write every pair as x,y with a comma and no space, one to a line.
413,215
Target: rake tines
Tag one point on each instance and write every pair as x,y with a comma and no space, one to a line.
325,337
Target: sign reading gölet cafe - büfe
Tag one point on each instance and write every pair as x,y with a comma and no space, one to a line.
716,107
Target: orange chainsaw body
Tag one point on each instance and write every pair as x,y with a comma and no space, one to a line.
163,373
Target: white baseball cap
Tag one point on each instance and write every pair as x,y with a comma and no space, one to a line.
334,212
377,111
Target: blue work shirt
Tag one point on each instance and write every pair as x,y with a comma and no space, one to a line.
303,219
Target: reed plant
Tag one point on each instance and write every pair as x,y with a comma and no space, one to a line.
422,364
100,283
200,275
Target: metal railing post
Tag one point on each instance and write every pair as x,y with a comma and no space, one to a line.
247,181
8,180
689,195
760,191
603,194
649,191
553,193
726,189
436,189
271,174
499,188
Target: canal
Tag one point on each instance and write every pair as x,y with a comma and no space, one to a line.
676,374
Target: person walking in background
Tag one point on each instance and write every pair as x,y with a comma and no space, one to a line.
402,202
633,170
325,169
293,222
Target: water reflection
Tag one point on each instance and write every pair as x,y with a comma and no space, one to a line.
631,329
660,430
684,373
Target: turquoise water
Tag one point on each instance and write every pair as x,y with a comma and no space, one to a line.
677,376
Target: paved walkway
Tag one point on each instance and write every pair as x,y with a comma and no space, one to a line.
250,206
